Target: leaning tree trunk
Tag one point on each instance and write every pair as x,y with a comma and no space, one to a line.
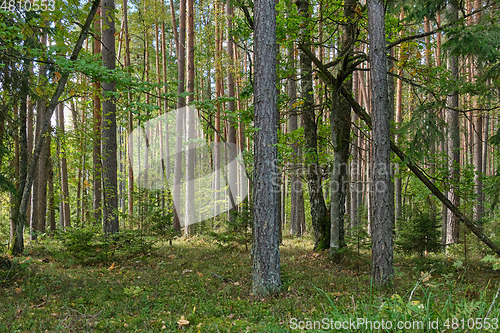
266,275
319,214
109,144
383,219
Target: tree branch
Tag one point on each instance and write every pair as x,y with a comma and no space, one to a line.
51,107
331,80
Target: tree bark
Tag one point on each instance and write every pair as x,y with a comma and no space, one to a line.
181,102
130,118
19,212
231,130
478,139
383,221
39,205
266,275
51,194
40,182
340,124
398,182
190,124
355,189
108,134
166,152
66,214
453,142
297,215
319,214
218,94
96,145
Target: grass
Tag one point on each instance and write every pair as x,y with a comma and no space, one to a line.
200,282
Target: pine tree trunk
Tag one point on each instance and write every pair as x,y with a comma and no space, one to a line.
231,133
383,204
30,138
108,134
130,119
96,145
266,275
478,139
190,125
51,194
39,205
453,141
355,162
166,152
181,68
296,189
66,214
218,93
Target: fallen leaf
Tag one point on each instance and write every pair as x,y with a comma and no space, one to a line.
110,268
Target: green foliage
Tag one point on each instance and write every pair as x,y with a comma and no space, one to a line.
161,225
358,238
88,245
419,235
82,245
237,229
429,306
130,242
492,260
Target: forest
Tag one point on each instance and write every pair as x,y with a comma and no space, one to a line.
249,166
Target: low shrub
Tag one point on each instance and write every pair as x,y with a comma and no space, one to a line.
420,235
88,245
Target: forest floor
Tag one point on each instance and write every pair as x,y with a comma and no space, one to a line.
196,285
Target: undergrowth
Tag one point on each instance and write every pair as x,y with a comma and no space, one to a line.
196,285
